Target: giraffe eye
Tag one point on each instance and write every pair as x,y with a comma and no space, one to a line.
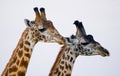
33,22
85,43
42,30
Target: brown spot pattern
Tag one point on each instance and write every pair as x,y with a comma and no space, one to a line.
20,73
26,49
27,43
59,73
13,75
66,66
18,62
62,62
69,66
21,45
65,71
71,59
62,74
20,53
67,75
24,63
63,56
27,55
13,69
56,71
61,67
68,57
71,53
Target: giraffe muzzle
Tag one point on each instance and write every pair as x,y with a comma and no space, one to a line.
104,52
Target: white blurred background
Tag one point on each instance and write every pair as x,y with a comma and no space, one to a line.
101,18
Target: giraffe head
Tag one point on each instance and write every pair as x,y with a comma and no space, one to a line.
86,43
43,29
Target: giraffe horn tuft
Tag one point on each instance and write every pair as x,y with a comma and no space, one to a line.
37,14
42,9
43,15
35,9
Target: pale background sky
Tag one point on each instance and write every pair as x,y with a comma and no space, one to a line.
101,18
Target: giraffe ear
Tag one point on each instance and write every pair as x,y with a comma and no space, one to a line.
80,29
27,23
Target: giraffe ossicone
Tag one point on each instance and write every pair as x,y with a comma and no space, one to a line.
39,30
80,44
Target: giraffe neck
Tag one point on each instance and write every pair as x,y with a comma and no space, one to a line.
64,62
18,63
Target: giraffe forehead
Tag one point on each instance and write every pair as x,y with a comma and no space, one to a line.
40,27
82,40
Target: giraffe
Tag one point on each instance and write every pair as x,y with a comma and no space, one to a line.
79,44
39,30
